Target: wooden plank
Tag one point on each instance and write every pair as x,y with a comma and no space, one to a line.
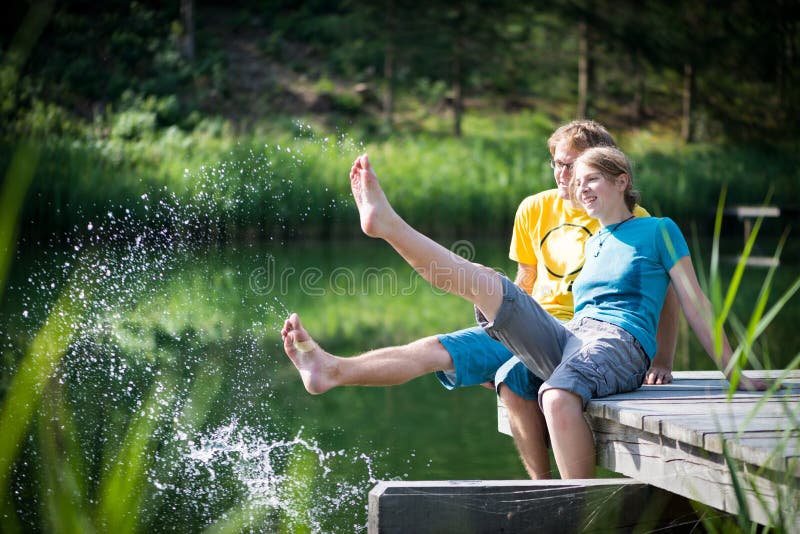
692,429
716,379
600,505
753,212
776,450
755,261
613,409
695,473
697,416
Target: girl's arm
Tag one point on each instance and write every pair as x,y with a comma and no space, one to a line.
697,310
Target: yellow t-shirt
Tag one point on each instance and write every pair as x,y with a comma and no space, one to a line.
549,234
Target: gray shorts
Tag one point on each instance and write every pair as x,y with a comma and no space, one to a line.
585,356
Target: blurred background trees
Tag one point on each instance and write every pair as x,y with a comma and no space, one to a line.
708,69
127,96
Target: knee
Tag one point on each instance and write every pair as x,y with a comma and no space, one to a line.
516,404
558,404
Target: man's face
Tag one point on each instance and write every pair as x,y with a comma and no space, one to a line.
563,158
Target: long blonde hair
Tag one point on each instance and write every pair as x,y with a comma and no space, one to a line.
611,163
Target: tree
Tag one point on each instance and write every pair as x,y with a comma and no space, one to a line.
585,69
187,21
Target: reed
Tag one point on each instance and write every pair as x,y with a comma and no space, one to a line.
747,333
288,179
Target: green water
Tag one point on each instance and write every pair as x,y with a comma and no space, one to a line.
208,323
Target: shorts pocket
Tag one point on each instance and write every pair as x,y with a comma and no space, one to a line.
593,373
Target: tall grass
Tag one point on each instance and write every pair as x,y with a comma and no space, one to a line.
474,183
782,512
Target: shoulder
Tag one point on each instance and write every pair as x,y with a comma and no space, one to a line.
667,224
539,200
647,228
654,222
666,232
543,197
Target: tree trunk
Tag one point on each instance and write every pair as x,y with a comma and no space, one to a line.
389,59
787,73
458,96
639,94
187,19
687,128
585,69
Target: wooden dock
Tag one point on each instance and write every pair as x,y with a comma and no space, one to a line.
597,506
674,437
678,443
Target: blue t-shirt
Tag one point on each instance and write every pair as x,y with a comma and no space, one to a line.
626,275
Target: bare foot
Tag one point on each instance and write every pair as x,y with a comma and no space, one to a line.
317,367
373,208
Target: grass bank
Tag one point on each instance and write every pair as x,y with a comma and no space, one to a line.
287,179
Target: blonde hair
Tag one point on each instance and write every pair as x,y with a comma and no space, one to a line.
611,163
580,135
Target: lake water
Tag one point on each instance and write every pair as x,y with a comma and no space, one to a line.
184,342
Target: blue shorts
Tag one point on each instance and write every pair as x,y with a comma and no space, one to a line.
477,358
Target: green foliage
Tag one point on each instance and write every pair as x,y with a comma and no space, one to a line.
507,52
501,159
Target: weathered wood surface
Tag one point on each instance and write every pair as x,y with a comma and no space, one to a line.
672,437
519,506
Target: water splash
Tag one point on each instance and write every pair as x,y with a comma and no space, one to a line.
266,469
156,303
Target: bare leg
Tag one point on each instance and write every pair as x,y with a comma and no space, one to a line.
572,439
529,431
321,371
440,267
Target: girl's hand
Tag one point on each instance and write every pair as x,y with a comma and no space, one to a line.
658,375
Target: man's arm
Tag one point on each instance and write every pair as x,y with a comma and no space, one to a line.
660,371
526,277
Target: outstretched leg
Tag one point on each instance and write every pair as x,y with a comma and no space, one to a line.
440,267
389,366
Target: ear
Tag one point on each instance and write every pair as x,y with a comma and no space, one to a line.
622,181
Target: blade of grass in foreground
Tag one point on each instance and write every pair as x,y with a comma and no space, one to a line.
250,516
760,319
297,491
63,485
723,307
18,179
27,386
122,488
743,514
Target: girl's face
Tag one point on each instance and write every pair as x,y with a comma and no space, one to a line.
598,196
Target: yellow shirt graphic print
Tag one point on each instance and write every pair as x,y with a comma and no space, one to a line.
561,260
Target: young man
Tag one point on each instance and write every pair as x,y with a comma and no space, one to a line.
547,243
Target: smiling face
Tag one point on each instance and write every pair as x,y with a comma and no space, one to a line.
563,158
602,198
